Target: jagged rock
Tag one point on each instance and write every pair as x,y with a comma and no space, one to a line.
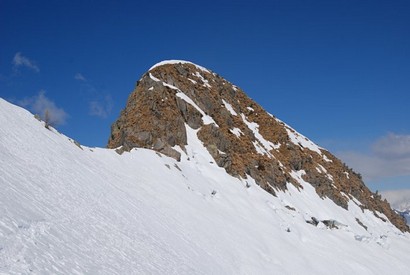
191,116
330,224
168,151
361,224
313,221
241,137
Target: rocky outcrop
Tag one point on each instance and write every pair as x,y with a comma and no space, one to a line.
239,134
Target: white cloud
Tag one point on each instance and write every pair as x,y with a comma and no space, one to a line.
393,146
399,199
80,77
21,61
40,104
101,108
389,156
374,167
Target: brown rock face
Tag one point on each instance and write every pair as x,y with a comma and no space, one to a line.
241,136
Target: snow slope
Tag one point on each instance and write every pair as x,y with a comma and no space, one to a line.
74,210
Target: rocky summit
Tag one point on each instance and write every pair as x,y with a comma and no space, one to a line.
240,135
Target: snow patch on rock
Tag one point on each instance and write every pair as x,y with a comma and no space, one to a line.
229,108
205,118
262,145
166,62
236,131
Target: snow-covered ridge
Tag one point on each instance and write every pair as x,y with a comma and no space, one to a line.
166,62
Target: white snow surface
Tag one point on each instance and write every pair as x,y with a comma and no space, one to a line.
193,81
153,77
71,210
236,131
229,108
170,86
165,62
326,158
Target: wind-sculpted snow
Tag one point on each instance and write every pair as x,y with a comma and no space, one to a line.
70,209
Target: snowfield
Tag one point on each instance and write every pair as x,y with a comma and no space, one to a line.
69,209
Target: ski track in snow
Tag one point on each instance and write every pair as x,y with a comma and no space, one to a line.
71,210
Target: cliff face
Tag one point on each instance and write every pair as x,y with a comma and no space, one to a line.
241,137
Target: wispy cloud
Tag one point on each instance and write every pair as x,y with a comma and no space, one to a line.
100,105
389,156
80,77
393,146
101,108
40,104
21,61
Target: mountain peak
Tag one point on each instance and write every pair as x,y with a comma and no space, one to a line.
239,134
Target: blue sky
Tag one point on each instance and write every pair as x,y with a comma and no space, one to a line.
337,71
